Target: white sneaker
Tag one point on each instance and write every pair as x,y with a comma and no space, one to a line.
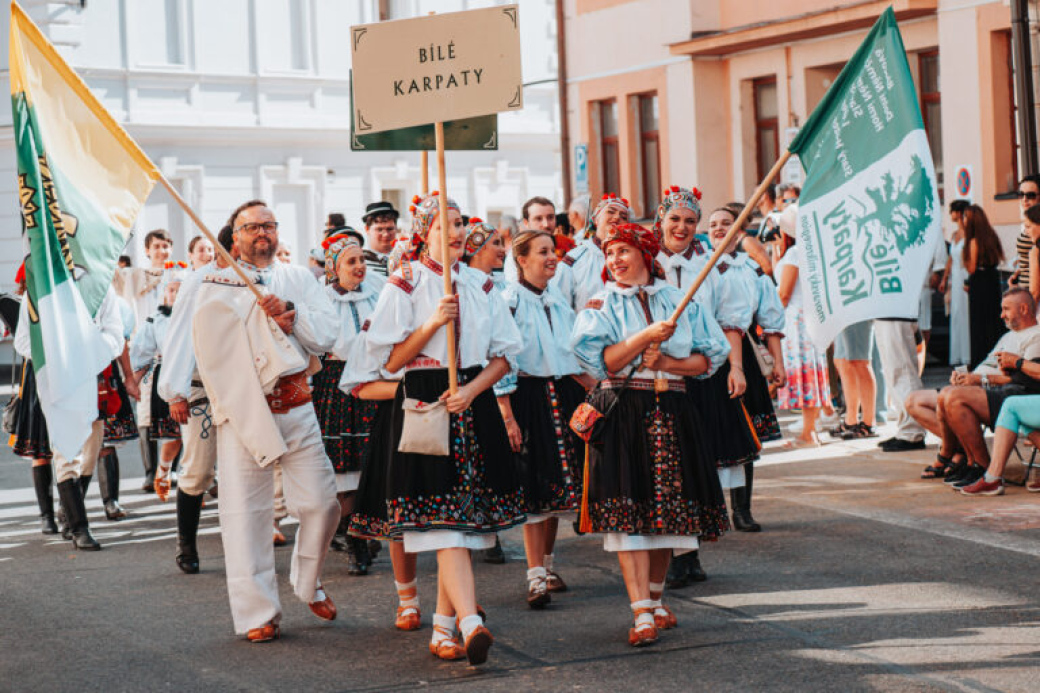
826,423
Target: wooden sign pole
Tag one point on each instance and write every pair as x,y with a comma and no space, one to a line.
425,172
446,261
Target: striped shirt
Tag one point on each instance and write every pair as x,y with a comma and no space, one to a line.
1023,244
376,262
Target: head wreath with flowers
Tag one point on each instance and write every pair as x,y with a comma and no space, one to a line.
478,234
677,197
424,212
336,244
643,240
610,200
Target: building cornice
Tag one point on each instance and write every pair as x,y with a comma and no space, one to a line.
849,17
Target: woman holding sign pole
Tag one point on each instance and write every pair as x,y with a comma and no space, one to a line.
452,480
649,487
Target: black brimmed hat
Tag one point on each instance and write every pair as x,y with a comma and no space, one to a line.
379,208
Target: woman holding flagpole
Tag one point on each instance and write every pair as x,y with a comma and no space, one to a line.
447,492
649,487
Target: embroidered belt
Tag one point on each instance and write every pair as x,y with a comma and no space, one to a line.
289,392
674,385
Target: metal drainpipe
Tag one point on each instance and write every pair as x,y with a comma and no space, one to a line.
561,86
1021,39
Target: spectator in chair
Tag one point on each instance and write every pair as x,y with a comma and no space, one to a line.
1021,411
973,400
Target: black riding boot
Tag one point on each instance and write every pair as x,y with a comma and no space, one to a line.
149,458
108,480
741,499
84,484
72,500
43,478
189,510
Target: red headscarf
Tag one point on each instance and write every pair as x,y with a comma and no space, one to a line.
643,240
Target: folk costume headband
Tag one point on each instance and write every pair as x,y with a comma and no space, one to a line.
336,244
676,197
641,239
478,235
424,211
609,200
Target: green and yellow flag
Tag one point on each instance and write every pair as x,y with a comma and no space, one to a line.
81,183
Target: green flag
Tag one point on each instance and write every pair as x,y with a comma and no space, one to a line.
869,215
81,183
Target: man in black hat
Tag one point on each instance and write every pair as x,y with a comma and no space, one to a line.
380,235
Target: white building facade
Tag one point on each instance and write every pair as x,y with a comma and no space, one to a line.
238,99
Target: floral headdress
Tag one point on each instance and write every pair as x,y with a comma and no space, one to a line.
336,244
643,240
478,234
677,197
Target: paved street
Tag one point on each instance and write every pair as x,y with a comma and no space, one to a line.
865,579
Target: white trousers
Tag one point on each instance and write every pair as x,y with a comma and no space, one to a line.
144,405
898,352
84,463
247,517
199,436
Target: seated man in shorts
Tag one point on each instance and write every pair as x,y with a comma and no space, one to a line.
958,412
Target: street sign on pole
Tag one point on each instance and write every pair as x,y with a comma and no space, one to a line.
436,69
964,183
581,168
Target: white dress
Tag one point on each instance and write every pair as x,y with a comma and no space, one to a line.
960,332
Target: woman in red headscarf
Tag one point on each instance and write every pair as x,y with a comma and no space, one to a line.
650,489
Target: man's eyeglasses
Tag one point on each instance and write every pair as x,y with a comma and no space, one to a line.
268,227
789,200
1022,195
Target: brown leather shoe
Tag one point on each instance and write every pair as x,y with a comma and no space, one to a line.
641,636
323,608
664,619
408,618
538,596
477,645
555,582
265,633
447,649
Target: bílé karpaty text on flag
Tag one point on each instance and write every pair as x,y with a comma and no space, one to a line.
81,183
869,214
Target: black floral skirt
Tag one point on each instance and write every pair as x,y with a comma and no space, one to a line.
369,519
346,421
163,426
730,435
651,476
552,462
30,437
476,488
757,401
122,426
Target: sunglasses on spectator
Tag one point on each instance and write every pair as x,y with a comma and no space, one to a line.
1027,195
789,200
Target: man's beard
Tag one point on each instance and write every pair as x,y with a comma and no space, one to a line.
260,252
